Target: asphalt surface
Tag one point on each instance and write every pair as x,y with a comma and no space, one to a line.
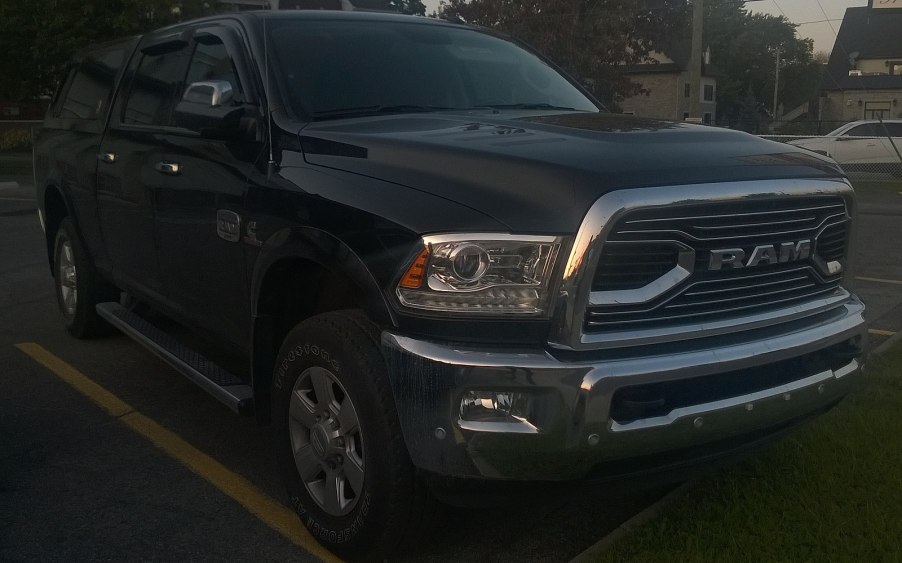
79,484
76,484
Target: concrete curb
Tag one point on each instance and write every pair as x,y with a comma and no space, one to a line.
643,517
885,345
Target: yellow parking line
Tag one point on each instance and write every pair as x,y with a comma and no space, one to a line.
879,280
880,332
271,512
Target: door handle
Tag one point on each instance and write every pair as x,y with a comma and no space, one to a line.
168,168
108,157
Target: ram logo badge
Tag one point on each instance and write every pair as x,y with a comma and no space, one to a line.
764,254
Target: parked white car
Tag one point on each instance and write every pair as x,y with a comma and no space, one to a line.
860,142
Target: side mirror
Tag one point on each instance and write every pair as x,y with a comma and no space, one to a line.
211,93
207,107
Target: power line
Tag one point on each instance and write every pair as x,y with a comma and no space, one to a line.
781,10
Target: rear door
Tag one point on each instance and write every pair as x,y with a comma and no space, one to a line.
70,140
128,182
865,143
894,142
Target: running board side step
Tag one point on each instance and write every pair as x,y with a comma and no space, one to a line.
224,386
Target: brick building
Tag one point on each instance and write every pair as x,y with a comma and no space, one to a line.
864,75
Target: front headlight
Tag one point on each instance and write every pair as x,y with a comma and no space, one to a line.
481,274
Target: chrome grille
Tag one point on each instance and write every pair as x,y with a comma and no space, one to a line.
628,266
633,253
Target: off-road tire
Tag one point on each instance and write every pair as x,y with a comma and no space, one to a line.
73,271
394,507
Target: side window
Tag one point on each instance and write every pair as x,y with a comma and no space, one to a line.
90,84
866,130
211,61
205,99
63,89
155,88
895,129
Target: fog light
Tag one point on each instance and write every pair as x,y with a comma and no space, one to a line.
495,406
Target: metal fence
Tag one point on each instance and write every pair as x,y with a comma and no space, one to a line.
876,159
803,127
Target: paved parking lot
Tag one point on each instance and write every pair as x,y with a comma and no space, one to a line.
167,473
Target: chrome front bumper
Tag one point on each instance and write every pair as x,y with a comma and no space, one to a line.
573,432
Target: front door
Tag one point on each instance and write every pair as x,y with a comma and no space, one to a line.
199,223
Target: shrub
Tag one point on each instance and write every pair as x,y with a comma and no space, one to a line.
15,140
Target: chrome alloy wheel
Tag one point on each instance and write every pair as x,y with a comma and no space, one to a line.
67,278
326,441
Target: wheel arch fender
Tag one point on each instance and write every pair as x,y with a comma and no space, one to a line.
54,207
328,259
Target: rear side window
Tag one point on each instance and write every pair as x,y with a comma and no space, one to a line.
90,83
155,88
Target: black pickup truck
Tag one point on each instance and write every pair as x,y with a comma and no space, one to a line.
430,260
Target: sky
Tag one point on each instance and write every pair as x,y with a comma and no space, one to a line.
805,11
798,11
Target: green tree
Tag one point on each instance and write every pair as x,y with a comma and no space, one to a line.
410,7
744,48
594,40
38,39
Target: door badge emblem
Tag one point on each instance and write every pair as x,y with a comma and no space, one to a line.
228,225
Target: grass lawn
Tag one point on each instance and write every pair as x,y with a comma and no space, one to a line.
831,492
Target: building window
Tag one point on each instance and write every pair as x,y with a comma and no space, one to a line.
877,110
685,115
687,90
708,118
709,92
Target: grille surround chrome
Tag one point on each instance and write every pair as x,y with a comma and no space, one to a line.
575,295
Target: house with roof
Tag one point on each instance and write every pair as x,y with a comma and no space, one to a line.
665,78
864,75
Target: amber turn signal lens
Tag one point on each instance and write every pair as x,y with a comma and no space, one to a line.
413,277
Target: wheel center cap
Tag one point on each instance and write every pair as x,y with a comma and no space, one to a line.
319,439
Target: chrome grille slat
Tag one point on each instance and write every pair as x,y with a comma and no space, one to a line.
735,215
693,238
727,293
684,317
750,225
709,302
759,284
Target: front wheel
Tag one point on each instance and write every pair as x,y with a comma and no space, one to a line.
339,442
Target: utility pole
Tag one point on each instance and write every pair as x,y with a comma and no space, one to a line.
777,83
695,59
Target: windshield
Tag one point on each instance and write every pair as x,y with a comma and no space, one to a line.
334,68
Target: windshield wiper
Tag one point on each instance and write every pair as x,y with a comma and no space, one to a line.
377,109
529,106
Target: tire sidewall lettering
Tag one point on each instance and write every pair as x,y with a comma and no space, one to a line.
305,351
331,535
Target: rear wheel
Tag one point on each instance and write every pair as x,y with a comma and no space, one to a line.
338,439
78,289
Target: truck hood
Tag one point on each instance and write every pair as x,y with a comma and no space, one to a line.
541,173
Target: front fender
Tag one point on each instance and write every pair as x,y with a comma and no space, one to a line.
328,251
